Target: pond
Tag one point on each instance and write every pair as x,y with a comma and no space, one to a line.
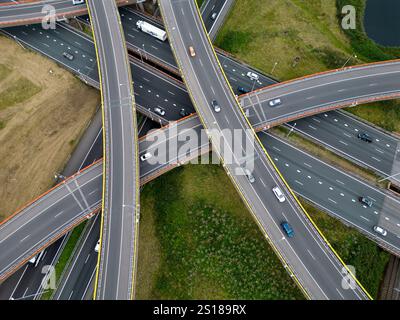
382,22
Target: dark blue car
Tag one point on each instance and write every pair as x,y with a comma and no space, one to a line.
288,229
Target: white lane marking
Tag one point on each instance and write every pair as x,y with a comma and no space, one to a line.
338,181
58,213
342,142
298,182
310,254
332,200
262,182
311,127
376,159
22,240
365,218
308,165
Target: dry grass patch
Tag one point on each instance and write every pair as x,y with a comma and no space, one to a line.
42,109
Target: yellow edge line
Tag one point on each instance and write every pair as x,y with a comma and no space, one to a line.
136,155
269,158
104,152
277,170
237,187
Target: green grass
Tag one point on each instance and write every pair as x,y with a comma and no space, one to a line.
385,114
354,248
301,36
64,257
199,2
209,246
17,92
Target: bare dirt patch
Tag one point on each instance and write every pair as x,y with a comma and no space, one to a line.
37,133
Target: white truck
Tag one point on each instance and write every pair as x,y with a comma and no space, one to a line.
151,30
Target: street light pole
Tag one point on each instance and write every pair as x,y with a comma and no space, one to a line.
347,61
389,177
273,68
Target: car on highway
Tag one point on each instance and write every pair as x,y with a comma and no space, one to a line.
35,259
288,229
364,137
380,230
279,194
253,76
183,113
160,111
242,90
145,156
215,106
275,102
68,55
366,201
249,175
75,2
97,247
192,52
214,16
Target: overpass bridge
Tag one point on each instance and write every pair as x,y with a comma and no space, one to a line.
321,276
116,272
21,13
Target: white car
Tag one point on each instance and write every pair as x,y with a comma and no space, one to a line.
279,194
75,2
253,76
145,156
249,175
97,247
380,230
159,111
36,259
275,102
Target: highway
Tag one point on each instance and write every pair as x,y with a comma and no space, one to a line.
85,55
115,277
369,155
284,156
327,187
338,132
221,9
43,222
317,270
322,92
382,159
32,12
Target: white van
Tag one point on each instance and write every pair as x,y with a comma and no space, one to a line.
279,194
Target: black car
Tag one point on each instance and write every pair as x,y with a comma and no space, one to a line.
242,90
366,201
364,137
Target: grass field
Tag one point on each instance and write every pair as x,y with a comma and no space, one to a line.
204,243
43,112
19,91
198,241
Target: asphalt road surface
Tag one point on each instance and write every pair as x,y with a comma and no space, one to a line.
32,12
316,268
116,272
